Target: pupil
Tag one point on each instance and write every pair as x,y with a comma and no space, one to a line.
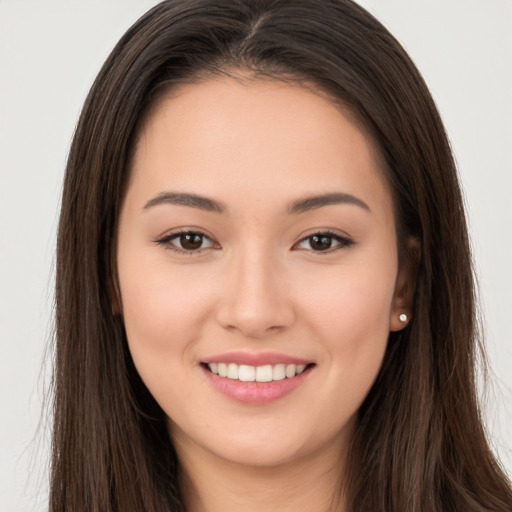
320,243
191,241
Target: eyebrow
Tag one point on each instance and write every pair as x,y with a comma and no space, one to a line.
314,202
185,199
210,205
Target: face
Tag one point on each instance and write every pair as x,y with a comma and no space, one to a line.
258,269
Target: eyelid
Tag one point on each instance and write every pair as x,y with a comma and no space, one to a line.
166,240
344,240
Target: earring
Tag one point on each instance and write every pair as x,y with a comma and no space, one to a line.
403,317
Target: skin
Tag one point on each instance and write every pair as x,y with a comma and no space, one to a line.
256,284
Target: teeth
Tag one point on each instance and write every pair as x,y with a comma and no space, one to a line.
266,373
233,371
290,370
246,373
278,372
223,369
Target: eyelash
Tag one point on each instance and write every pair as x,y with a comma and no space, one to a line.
166,241
343,242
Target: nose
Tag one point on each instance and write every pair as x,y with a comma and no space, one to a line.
255,300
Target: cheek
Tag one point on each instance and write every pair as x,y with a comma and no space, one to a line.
351,301
163,309
350,318
162,320
351,324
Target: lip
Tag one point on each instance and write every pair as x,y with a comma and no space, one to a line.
256,393
253,359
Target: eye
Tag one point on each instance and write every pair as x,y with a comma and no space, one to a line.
324,242
187,242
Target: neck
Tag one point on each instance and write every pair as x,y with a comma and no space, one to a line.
210,484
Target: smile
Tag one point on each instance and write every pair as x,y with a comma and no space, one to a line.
256,378
247,373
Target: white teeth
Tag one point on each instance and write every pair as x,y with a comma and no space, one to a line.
223,369
265,373
278,372
290,370
233,371
246,373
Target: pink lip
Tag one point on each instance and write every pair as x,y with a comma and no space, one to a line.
260,359
255,392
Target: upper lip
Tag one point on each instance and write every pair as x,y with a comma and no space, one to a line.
255,359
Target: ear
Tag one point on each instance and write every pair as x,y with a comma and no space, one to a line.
405,285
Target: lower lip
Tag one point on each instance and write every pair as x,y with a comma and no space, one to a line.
256,392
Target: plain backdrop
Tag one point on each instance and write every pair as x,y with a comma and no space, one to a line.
50,52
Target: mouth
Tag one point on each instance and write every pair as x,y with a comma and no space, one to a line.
262,374
256,378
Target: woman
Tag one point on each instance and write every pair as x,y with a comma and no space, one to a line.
264,286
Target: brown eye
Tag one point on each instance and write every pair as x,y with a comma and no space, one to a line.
324,242
320,242
191,241
187,242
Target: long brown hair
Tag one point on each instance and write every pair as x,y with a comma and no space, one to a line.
420,445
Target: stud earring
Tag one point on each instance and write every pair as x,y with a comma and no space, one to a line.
403,317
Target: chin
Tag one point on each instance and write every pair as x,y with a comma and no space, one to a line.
261,456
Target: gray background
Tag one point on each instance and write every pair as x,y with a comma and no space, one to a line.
50,52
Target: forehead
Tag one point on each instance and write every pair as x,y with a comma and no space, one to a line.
257,138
